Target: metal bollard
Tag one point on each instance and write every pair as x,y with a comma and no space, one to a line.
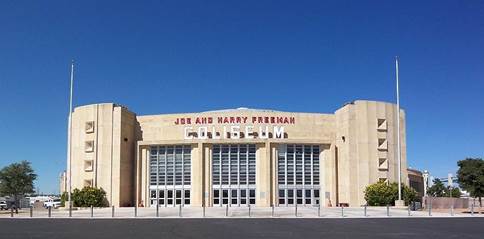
295,210
11,211
472,209
342,211
249,211
180,211
112,211
319,210
203,211
50,211
452,210
227,210
135,211
70,209
31,211
408,210
388,210
365,209
157,210
430,209
272,213
92,211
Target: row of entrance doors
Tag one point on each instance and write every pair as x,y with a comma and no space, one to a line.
234,175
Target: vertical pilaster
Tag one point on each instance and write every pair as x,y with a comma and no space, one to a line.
263,172
197,175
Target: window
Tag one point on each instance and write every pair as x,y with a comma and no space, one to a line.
170,174
298,174
381,125
382,164
88,165
382,144
89,146
233,174
89,127
88,183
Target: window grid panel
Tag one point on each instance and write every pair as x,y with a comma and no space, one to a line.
298,165
237,168
172,168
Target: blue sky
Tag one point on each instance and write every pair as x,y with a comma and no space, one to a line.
188,56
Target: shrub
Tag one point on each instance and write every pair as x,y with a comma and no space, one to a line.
86,197
382,194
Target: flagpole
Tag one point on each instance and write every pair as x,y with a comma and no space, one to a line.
69,140
398,136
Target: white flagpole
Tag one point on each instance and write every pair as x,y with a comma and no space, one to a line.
398,136
69,140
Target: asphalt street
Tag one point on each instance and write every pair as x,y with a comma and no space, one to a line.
244,228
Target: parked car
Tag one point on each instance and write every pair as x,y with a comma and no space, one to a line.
3,205
54,203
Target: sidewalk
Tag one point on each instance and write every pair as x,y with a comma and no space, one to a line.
237,212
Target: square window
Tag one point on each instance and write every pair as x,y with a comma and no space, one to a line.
89,127
216,193
187,201
307,193
252,201
225,201
382,125
316,193
282,201
216,201
308,201
281,193
88,165
243,201
88,183
89,146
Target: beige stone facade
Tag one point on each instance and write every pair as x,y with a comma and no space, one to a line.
240,156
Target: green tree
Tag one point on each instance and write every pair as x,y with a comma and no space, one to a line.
455,193
471,177
382,194
17,179
408,194
438,189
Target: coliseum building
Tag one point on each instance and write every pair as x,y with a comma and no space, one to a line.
236,157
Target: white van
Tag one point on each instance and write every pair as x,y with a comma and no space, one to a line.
54,203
